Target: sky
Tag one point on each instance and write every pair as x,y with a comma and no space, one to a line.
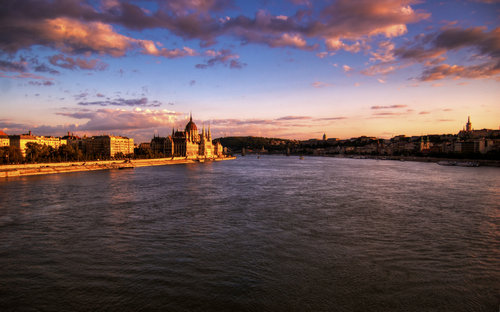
290,69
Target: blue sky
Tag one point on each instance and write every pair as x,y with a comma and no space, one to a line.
292,69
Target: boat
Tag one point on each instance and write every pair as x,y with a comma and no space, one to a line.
468,164
447,163
459,163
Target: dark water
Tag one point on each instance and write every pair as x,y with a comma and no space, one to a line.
269,234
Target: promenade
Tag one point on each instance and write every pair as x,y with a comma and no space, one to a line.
7,171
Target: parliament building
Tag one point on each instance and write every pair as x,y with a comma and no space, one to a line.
188,143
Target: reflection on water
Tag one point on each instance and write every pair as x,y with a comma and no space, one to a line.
275,233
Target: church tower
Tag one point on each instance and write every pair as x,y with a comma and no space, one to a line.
468,125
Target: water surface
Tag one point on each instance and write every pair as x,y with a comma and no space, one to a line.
269,234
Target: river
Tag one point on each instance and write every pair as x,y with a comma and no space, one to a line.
273,233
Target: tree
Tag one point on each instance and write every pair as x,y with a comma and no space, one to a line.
10,155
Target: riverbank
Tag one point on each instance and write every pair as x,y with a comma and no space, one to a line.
7,171
450,161
479,162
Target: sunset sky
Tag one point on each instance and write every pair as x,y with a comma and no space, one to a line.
291,69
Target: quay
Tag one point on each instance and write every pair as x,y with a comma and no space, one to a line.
7,171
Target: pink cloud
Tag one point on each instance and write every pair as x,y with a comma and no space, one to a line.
346,68
485,70
319,84
388,106
73,63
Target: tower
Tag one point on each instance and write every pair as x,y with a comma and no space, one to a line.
468,125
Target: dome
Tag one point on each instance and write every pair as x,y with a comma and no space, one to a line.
191,126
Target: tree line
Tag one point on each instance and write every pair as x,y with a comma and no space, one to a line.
39,153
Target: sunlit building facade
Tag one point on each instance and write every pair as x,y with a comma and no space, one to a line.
187,143
106,146
4,139
20,141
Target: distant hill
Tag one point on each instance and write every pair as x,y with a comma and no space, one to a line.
257,144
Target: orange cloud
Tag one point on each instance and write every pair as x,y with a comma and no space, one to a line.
72,35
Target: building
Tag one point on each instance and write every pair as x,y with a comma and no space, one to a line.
4,139
107,146
187,143
425,145
21,141
162,146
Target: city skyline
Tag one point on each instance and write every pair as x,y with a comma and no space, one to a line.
292,69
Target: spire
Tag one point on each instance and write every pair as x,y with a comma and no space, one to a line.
191,116
209,134
468,119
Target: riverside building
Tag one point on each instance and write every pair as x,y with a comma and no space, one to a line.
4,139
187,143
20,141
107,146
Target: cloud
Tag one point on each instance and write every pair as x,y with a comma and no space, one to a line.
319,84
357,20
67,25
384,53
99,28
39,83
387,114
289,40
76,63
25,76
322,54
142,102
485,70
291,118
103,28
431,50
330,118
9,66
120,119
72,35
346,68
223,56
81,95
42,68
388,106
379,69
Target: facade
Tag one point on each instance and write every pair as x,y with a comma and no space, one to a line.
187,143
162,146
103,146
20,141
107,146
4,139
